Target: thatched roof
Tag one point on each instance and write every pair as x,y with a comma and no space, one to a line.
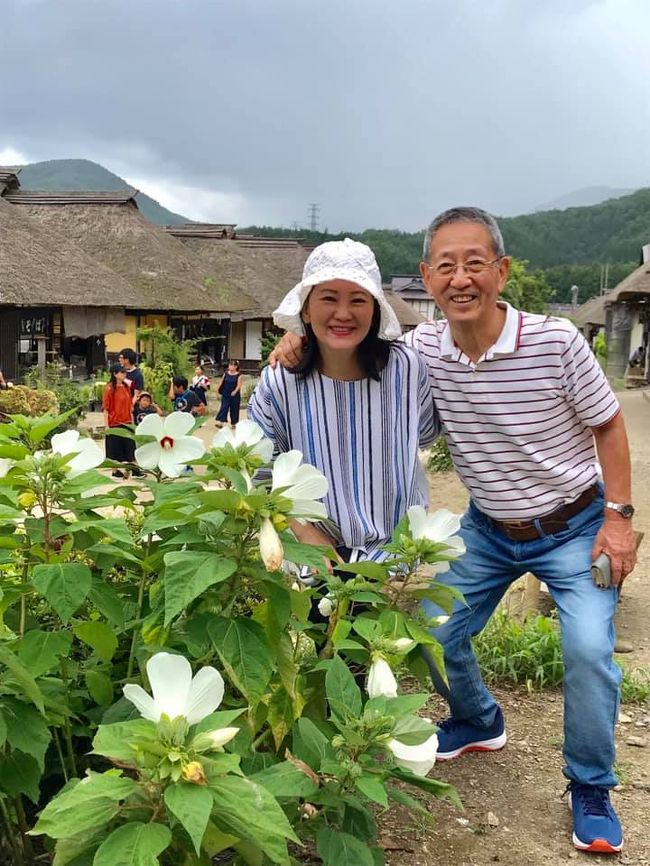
592,312
39,267
635,286
203,230
9,178
408,316
164,275
264,269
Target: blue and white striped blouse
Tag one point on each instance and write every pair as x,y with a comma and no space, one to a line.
363,435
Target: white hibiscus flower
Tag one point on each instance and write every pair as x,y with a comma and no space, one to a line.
5,465
440,527
271,549
302,484
418,759
246,433
177,693
173,448
381,680
88,454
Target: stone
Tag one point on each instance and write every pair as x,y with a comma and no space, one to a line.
624,719
492,820
623,646
637,741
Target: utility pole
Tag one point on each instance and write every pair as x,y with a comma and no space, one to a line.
313,213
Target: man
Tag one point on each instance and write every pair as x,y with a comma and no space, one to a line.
522,401
134,378
183,398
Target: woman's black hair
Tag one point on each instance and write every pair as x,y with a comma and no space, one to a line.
372,352
113,369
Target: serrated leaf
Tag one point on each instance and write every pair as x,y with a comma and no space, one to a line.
100,687
244,653
116,740
26,730
340,849
286,781
107,602
20,774
190,573
192,805
41,651
99,636
133,844
22,677
343,694
373,788
311,745
65,586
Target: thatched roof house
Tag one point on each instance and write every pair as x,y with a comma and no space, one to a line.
627,309
38,265
109,227
590,314
408,316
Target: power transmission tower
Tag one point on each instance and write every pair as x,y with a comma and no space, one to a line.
313,213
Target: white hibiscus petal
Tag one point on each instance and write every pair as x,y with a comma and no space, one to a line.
417,518
418,759
169,464
143,702
457,544
264,450
285,468
442,524
151,425
205,695
5,465
222,736
308,509
90,455
248,432
309,483
223,437
178,424
188,448
170,677
66,442
148,455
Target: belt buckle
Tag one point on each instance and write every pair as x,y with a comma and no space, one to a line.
516,524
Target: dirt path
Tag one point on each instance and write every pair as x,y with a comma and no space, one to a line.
521,786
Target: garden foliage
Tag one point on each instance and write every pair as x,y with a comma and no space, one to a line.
275,750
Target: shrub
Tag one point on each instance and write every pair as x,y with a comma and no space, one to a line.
439,457
21,400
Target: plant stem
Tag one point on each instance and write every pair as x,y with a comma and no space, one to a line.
259,740
67,729
24,829
57,743
10,835
134,636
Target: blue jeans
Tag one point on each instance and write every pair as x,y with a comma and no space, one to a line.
591,677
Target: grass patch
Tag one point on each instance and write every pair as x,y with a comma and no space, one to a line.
529,654
439,457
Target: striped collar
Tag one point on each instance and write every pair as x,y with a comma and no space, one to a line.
506,344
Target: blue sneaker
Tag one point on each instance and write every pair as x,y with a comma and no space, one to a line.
456,737
596,827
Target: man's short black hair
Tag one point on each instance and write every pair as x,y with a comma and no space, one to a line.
130,355
180,382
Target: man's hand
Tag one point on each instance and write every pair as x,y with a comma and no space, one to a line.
617,539
288,352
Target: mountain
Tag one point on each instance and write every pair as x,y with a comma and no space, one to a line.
71,174
585,197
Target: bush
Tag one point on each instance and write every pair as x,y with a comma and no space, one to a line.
21,400
69,395
439,457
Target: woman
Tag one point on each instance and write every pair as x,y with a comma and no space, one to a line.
358,406
117,403
230,390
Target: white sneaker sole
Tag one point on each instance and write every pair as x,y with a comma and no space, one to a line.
492,745
598,846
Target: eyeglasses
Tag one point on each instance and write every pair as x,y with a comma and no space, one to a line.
473,266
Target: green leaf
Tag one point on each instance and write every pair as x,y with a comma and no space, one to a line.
65,586
106,555
280,715
219,719
100,687
311,745
222,500
91,803
133,844
244,653
249,811
366,568
358,820
188,574
373,788
285,781
192,805
306,554
340,849
22,677
343,694
432,786
369,629
40,651
98,635
27,730
107,602
116,740
20,774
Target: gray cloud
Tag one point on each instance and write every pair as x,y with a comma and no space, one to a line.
382,113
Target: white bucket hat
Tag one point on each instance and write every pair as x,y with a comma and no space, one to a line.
338,260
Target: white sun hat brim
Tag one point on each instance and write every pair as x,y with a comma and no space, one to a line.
338,260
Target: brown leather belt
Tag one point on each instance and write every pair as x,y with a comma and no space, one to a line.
556,521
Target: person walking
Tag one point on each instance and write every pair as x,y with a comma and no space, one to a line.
133,375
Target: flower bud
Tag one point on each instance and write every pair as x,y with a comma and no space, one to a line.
381,680
193,772
27,499
326,606
403,644
213,739
271,549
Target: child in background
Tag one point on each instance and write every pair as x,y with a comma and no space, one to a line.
200,384
145,406
183,398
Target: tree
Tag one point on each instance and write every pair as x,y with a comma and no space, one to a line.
527,290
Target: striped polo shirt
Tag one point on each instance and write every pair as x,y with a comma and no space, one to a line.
364,437
518,421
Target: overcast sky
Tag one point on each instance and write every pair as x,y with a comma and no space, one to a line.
382,112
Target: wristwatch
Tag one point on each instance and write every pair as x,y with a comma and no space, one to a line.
626,511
